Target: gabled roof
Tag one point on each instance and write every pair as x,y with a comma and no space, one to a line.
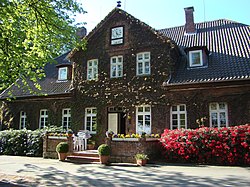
129,17
49,85
228,44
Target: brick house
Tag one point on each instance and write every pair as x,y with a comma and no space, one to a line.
132,78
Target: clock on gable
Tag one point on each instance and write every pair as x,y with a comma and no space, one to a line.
117,35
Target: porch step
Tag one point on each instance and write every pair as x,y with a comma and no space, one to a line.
84,157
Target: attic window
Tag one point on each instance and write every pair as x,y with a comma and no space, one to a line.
195,58
62,73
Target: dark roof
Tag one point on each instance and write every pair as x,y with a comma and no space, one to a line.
228,44
49,85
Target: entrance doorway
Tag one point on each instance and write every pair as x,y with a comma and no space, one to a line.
117,122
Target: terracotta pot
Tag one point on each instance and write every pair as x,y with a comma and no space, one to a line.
70,135
104,159
90,146
141,162
62,156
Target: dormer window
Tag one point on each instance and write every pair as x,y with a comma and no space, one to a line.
62,73
195,58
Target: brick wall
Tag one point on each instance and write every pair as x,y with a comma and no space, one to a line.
50,143
125,151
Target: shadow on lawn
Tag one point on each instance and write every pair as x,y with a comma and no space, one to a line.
116,175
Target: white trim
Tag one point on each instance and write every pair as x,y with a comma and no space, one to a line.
92,70
91,115
190,53
178,112
143,62
67,116
23,120
116,65
61,77
143,114
44,117
218,111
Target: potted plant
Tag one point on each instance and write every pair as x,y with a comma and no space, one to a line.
69,132
91,144
104,153
141,159
109,133
62,149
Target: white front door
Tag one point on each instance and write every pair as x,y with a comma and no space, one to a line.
113,122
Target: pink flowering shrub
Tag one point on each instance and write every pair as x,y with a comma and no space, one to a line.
224,146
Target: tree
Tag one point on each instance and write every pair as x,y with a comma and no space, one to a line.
32,33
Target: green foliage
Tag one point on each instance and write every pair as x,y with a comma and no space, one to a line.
21,142
141,157
104,150
55,129
33,32
62,147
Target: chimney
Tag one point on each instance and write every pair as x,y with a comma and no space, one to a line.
81,32
189,26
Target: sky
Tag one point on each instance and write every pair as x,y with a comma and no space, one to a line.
161,14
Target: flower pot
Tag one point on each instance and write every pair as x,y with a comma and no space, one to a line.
141,162
104,159
70,135
62,156
90,146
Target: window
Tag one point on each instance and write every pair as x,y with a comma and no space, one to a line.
90,120
63,73
143,63
116,66
66,118
218,115
23,120
143,119
195,58
178,117
43,122
92,69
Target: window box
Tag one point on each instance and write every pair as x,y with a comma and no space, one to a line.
58,137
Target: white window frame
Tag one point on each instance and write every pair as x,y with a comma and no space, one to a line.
91,115
68,118
191,64
178,112
61,76
23,120
92,69
143,61
43,120
115,65
218,111
144,113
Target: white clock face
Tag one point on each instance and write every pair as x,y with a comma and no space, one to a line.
117,33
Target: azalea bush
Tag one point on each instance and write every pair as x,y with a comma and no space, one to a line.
225,146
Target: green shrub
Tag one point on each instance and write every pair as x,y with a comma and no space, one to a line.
104,150
141,157
62,147
21,142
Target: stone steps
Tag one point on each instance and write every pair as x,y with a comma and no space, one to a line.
84,157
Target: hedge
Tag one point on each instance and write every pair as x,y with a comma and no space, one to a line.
24,142
223,146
